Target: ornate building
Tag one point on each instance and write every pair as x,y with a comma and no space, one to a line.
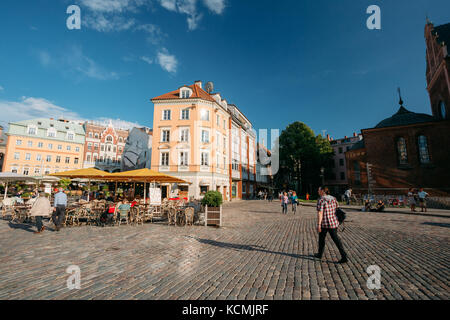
104,146
410,149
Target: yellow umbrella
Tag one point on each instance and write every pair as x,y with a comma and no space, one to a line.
88,173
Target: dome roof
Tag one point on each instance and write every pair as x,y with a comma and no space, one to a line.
405,117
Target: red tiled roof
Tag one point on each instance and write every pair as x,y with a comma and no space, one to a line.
198,93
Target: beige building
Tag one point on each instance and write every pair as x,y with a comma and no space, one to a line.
43,146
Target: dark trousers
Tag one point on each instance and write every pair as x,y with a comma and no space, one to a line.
59,215
39,223
334,237
284,207
294,207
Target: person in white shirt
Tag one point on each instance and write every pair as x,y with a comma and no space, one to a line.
422,199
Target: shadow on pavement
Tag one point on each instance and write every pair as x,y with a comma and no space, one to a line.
402,213
445,225
238,247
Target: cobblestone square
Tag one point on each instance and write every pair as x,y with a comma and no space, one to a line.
258,254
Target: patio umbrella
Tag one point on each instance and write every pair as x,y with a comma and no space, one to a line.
88,173
10,176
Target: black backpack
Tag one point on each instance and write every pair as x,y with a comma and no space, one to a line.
341,215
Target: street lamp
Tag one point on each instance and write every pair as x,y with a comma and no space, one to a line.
322,170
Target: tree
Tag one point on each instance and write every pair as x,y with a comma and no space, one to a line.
302,154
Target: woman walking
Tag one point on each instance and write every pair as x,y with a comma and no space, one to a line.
284,202
294,201
412,200
41,208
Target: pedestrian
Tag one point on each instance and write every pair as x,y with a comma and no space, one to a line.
348,195
294,201
328,223
412,200
422,199
59,209
41,208
284,202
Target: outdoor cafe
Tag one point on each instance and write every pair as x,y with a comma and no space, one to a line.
102,198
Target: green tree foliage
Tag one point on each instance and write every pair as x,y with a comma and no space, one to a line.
302,154
212,199
64,183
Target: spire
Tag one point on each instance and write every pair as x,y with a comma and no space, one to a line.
400,102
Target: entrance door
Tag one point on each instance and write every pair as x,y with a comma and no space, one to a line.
163,192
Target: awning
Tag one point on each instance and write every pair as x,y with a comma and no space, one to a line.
89,173
144,175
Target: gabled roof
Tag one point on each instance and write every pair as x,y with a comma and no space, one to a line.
405,117
197,93
359,145
443,33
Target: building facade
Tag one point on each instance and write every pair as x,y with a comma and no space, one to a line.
104,146
43,146
138,150
338,180
2,147
200,138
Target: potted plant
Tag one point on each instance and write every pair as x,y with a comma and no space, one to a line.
213,208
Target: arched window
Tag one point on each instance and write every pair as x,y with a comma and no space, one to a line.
424,155
109,139
402,152
442,110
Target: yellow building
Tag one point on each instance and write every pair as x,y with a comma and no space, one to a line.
43,146
191,140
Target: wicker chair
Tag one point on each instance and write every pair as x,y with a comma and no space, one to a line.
189,216
172,215
123,215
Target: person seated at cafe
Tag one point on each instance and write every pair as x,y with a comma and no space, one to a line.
110,197
125,206
380,206
367,206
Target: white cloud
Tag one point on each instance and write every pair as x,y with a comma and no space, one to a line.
147,59
187,7
216,6
30,108
103,23
1,88
167,61
154,33
110,6
169,4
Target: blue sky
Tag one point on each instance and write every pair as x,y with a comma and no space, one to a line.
278,61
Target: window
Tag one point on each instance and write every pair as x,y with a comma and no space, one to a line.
184,135
103,147
38,157
341,162
120,139
340,149
75,161
205,136
357,172
114,149
37,171
424,155
205,159
218,120
402,151
51,132
77,149
165,137
90,134
70,136
49,159
18,142
96,136
26,171
203,189
109,139
14,170
88,158
28,156
164,158
47,171
185,94
224,123
185,114
183,158
59,146
109,148
58,159
166,114
50,146
204,115
16,155
89,146
40,145
443,110
342,175
32,130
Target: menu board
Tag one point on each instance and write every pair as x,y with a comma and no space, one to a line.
155,196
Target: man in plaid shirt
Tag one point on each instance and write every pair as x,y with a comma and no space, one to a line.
328,222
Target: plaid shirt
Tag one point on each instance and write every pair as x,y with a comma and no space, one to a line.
328,206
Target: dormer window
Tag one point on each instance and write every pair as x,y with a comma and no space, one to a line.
51,132
185,92
32,130
70,136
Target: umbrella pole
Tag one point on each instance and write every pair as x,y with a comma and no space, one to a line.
134,190
145,192
89,190
6,189
115,192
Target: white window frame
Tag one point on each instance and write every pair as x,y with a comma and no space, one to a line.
184,137
70,135
204,114
185,114
163,136
51,132
27,156
32,127
169,113
161,159
202,140
204,161
183,158
16,155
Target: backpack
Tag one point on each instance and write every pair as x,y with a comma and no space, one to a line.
341,215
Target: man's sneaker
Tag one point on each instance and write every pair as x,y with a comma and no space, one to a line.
343,260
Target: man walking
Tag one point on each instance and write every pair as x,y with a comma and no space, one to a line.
328,223
59,210
41,208
348,195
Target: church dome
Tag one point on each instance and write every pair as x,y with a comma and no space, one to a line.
405,117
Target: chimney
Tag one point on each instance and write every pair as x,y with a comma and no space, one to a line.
328,137
354,134
345,137
198,83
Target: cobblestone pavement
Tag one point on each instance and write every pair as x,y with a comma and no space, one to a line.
258,254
